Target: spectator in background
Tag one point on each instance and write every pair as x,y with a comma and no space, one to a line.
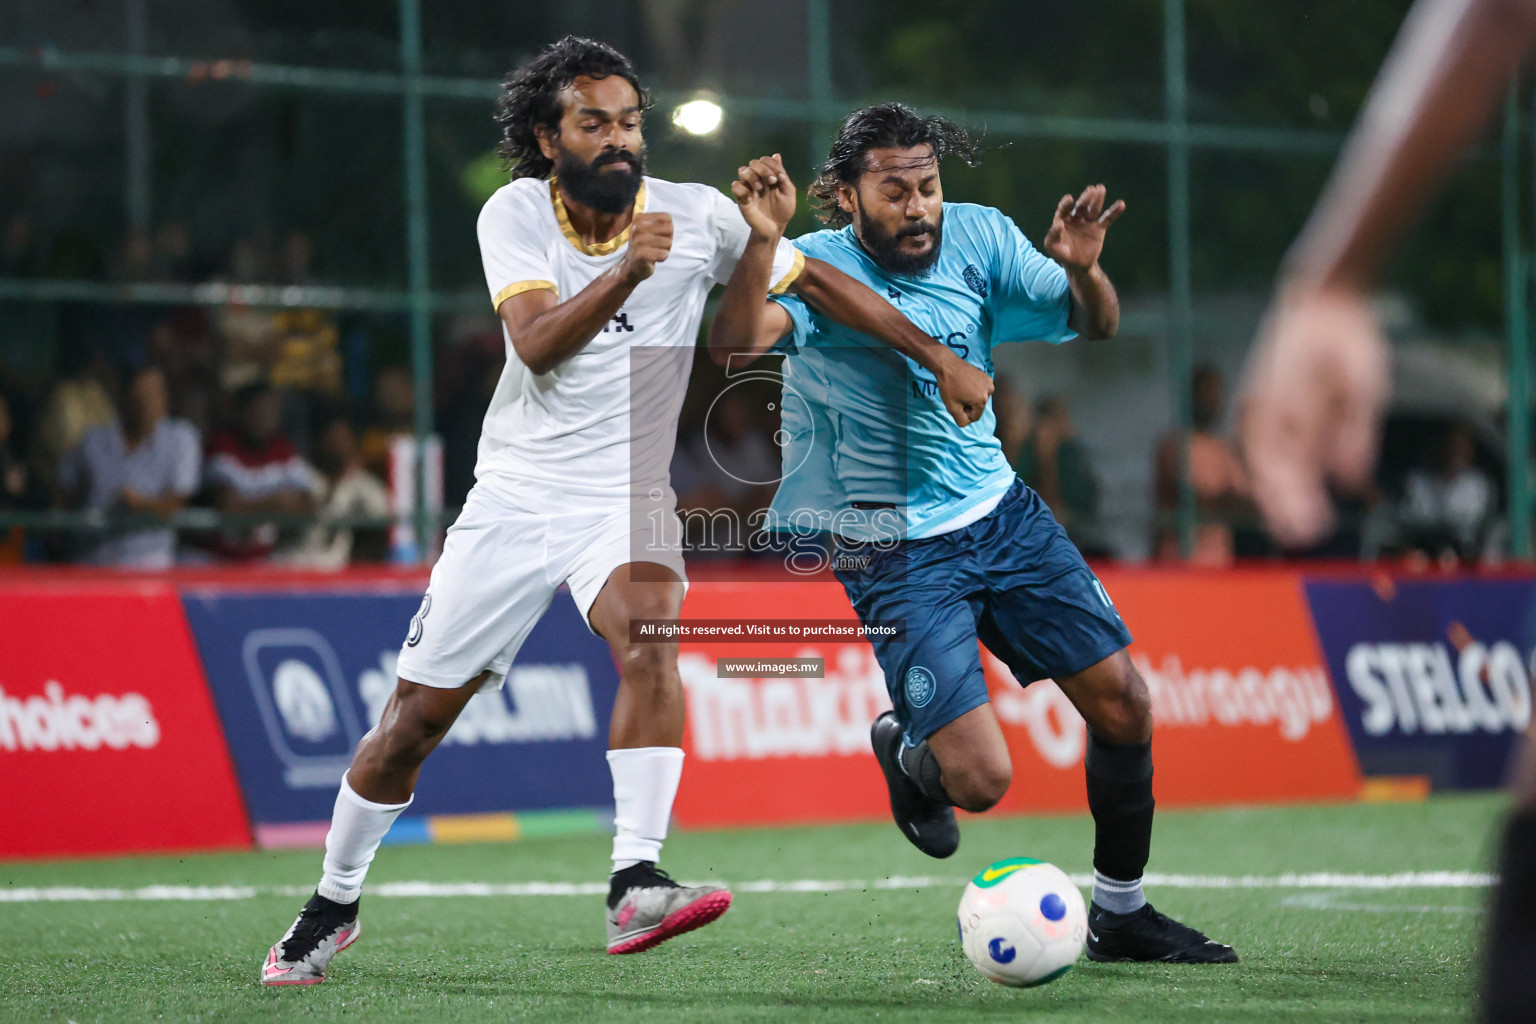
1055,463
1449,506
17,487
144,466
392,414
293,349
346,491
1215,473
81,401
180,343
255,470
465,377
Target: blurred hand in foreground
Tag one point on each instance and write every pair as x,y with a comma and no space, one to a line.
1317,382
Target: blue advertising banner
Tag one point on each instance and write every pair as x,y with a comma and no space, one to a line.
298,677
1433,676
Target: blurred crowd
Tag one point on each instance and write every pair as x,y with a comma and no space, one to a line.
297,426
294,424
1436,499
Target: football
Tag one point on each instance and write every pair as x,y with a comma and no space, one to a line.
1022,922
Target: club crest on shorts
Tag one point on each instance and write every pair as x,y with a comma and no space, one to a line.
920,686
974,280
414,636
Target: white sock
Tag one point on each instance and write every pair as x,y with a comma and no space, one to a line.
1118,897
644,785
357,829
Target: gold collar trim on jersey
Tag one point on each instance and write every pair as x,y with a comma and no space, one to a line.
596,248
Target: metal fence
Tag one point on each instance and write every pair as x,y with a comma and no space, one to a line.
1175,132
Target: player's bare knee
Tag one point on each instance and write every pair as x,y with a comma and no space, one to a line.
412,725
1126,715
649,669
978,785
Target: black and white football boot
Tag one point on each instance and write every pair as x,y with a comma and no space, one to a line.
323,929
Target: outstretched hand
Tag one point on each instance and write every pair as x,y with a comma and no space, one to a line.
765,194
1317,381
1077,230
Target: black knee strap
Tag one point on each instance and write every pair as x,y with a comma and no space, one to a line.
923,768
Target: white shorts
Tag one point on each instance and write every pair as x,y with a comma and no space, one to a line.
500,568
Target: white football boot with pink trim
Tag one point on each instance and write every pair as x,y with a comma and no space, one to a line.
323,929
652,909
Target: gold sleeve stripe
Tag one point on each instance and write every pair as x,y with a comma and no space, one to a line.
518,289
789,278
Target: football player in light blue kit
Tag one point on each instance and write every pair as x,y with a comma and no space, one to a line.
931,527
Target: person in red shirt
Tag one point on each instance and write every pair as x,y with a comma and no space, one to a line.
255,470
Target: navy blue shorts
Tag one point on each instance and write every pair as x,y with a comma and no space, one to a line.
1011,579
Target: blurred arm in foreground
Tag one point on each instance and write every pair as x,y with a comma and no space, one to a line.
1318,375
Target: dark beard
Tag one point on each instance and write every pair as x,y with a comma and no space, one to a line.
883,247
608,192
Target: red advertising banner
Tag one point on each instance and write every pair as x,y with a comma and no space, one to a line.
1243,706
108,738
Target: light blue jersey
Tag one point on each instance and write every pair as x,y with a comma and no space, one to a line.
870,451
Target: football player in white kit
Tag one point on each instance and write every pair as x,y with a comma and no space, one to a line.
599,274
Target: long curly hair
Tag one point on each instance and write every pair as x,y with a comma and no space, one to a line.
530,97
884,124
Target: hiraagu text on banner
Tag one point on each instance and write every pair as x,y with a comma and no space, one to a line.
1233,666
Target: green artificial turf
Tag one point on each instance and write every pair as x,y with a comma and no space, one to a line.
886,954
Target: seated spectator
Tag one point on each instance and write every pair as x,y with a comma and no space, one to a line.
144,466
391,414
255,470
79,402
347,491
1449,506
1055,463
1215,473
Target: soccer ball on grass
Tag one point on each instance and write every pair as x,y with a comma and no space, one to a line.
1022,922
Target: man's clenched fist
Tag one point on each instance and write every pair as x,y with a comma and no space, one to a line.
650,240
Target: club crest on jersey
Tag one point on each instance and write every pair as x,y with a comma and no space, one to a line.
414,636
975,281
920,686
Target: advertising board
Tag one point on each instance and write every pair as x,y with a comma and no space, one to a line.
108,739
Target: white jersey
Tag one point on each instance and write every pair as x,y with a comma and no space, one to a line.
600,427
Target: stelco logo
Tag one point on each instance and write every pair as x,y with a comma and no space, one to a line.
60,721
1427,688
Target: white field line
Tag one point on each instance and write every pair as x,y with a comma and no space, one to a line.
1328,900
170,893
